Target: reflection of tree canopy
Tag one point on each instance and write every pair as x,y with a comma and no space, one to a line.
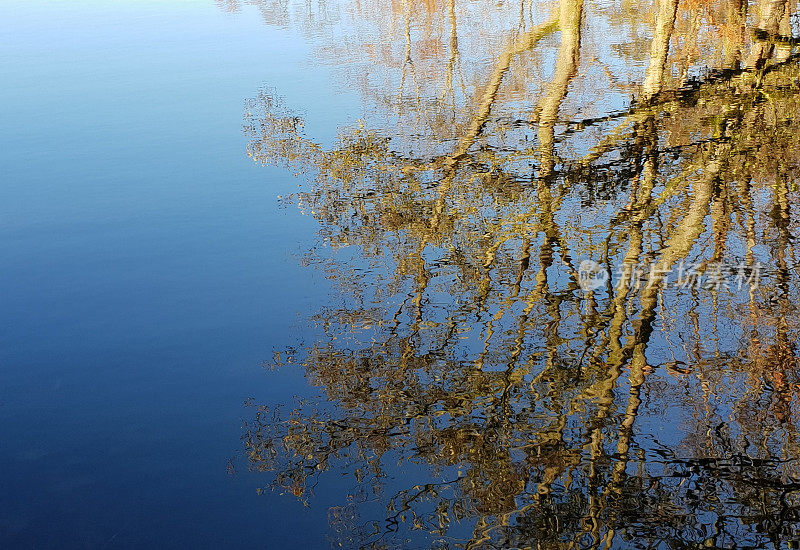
640,413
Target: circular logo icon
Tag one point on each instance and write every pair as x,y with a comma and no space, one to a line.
591,275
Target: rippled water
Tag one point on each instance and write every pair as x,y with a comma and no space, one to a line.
520,275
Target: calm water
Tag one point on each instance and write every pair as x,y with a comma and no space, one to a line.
451,274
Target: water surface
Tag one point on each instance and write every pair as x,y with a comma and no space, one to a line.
400,275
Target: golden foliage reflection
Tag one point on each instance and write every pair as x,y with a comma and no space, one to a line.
480,397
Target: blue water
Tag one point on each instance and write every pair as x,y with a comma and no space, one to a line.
147,271
254,293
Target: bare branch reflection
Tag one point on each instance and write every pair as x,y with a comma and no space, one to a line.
479,397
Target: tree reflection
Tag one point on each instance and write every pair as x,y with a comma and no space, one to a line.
646,412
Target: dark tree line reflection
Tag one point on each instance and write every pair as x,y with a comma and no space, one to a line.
477,394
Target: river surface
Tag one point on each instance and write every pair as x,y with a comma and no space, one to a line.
440,274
